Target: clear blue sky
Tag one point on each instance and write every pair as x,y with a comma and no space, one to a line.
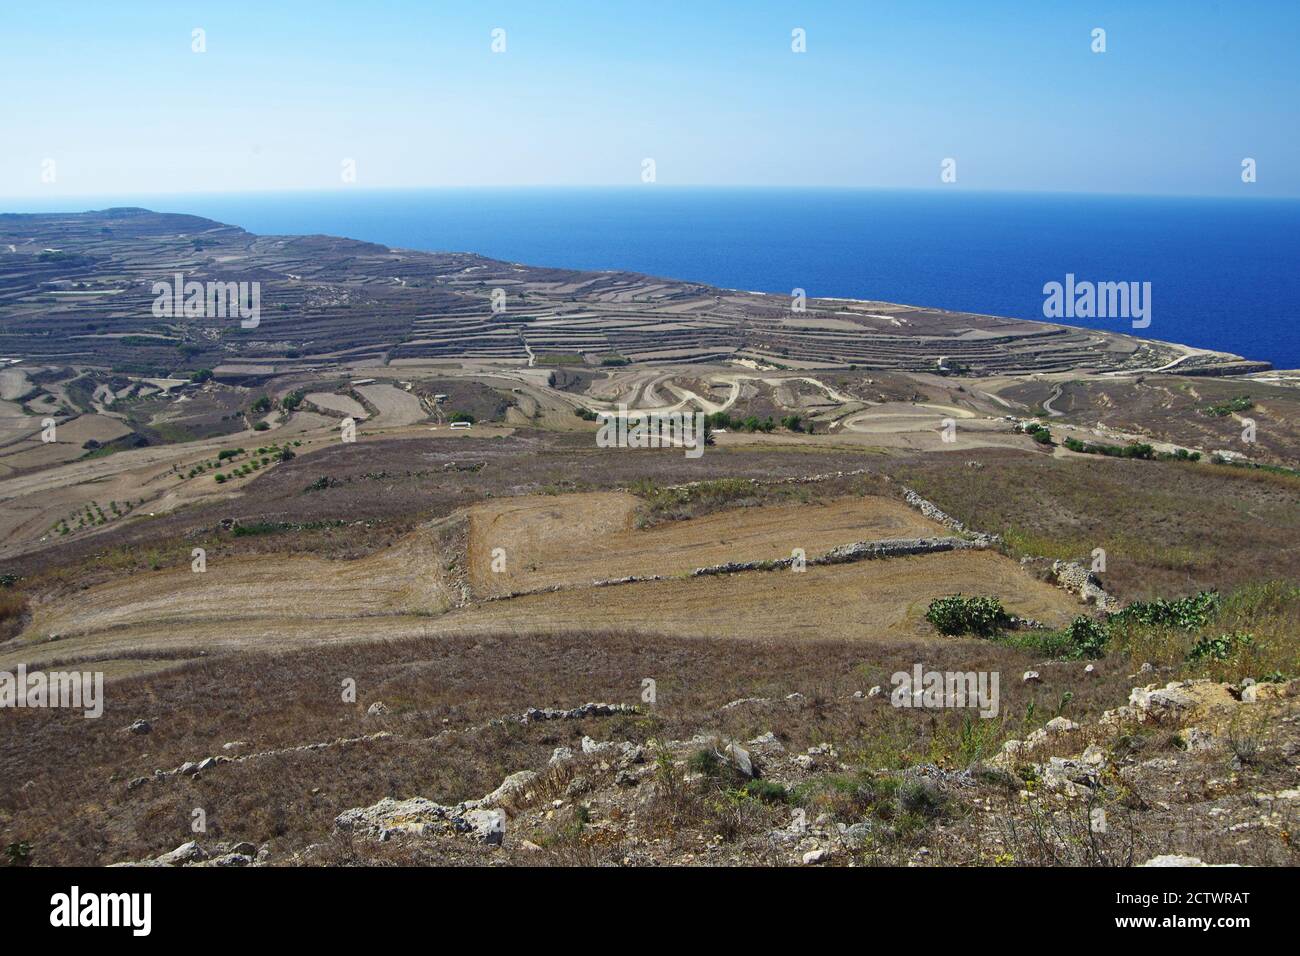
710,90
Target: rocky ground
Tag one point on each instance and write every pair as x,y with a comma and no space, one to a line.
1185,773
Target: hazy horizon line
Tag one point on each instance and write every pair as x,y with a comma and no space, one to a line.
748,187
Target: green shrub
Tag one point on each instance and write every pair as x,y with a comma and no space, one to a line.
981,616
1088,637
1187,613
704,762
1218,648
766,790
1241,403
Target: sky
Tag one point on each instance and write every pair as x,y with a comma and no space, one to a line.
105,99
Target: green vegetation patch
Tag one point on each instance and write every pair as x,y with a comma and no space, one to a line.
980,616
1242,403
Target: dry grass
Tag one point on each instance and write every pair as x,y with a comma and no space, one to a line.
1168,529
76,809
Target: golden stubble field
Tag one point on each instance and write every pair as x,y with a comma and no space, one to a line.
439,580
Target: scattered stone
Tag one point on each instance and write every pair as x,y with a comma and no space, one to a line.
185,853
377,709
626,778
1060,725
740,758
742,702
577,713
857,834
488,825
1083,582
813,857
511,788
795,830
140,726
1031,677
1199,740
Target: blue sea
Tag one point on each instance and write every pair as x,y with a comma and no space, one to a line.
1224,273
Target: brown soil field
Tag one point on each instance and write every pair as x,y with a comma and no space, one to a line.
578,539
343,404
405,579
281,600
396,407
869,601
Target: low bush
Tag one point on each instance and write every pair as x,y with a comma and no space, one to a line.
981,616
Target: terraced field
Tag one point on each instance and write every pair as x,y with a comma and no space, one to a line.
575,540
442,579
338,301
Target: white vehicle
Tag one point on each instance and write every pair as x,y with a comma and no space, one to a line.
462,424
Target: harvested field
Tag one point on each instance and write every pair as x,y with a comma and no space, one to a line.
396,407
570,541
100,428
405,579
578,539
14,384
345,405
868,601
